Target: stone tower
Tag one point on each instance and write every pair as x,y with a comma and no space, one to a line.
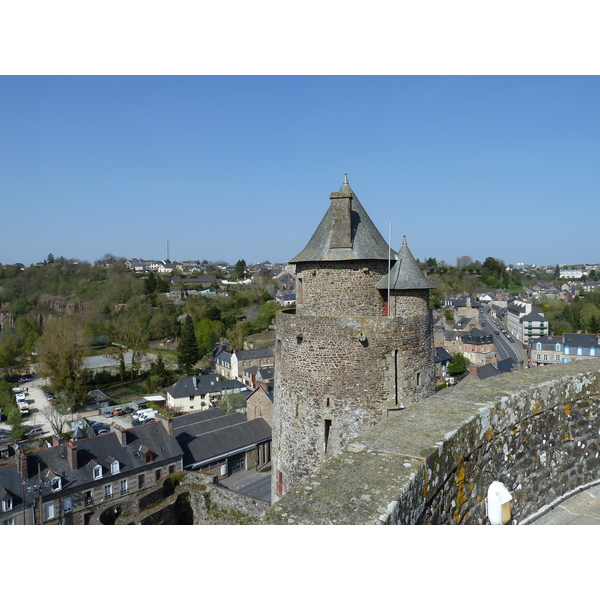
358,345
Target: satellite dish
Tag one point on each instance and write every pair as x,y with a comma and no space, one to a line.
16,447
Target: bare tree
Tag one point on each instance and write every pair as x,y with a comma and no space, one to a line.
463,261
56,419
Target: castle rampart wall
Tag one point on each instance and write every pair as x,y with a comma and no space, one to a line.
535,430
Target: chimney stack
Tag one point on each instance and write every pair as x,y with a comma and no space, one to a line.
22,464
167,423
121,433
341,213
72,456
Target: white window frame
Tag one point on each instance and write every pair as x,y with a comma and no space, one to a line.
7,504
97,472
48,511
56,484
115,467
108,490
124,486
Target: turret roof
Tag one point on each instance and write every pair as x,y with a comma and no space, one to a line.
405,274
342,235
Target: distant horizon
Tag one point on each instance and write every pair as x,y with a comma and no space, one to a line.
279,262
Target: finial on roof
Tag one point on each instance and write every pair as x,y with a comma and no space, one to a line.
404,241
345,179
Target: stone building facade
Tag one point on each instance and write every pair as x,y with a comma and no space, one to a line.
358,345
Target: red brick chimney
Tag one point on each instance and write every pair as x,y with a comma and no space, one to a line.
473,369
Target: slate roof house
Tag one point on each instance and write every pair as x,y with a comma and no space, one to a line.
67,484
222,363
220,444
478,345
199,392
552,349
442,358
242,359
260,404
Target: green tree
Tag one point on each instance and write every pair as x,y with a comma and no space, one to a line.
458,366
61,350
12,359
188,352
15,420
160,376
208,333
150,283
239,270
266,314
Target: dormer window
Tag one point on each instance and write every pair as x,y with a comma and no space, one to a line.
7,503
57,484
115,467
97,472
538,346
558,347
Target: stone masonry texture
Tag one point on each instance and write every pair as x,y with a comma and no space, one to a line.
536,431
342,365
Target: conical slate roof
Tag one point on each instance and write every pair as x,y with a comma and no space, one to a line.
346,232
405,274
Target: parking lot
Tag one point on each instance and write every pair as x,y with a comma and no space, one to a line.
38,404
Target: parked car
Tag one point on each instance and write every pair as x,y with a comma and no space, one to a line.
107,412
33,431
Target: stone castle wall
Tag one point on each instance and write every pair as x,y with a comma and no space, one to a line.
535,430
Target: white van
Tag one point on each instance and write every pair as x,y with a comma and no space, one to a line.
144,413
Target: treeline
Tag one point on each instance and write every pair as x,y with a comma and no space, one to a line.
468,276
582,314
105,304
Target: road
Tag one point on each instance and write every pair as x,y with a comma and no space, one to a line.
251,483
502,346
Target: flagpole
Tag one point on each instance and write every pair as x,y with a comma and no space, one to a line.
389,268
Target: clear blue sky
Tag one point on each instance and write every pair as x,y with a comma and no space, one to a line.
231,167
